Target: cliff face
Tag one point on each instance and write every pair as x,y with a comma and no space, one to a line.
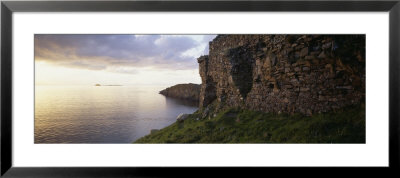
183,91
284,73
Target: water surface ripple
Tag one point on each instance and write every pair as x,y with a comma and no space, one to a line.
106,114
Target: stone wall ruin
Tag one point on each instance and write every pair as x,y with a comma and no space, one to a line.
284,73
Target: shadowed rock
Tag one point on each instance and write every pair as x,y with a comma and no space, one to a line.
283,73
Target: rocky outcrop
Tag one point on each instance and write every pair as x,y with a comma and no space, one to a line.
182,117
284,73
183,91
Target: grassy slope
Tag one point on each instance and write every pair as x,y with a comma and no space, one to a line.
242,126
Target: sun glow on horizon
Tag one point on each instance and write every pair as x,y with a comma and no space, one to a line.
50,74
67,59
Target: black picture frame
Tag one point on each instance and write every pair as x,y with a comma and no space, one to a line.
8,7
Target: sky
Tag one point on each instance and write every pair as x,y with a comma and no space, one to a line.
118,59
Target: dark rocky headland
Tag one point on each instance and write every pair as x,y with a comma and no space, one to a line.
188,91
277,89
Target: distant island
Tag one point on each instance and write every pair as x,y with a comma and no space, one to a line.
98,85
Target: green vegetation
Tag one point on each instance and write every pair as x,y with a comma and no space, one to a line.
242,126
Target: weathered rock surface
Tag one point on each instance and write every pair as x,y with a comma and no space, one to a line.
183,91
284,73
182,117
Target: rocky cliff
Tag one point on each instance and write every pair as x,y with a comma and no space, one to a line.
284,73
183,91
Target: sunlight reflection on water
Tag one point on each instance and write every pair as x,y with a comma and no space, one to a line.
107,114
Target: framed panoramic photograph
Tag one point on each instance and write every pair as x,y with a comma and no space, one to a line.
166,88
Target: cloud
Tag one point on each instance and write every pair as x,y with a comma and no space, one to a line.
121,53
207,39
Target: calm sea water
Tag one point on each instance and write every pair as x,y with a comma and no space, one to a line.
106,114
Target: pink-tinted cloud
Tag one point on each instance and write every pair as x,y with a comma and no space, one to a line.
101,52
